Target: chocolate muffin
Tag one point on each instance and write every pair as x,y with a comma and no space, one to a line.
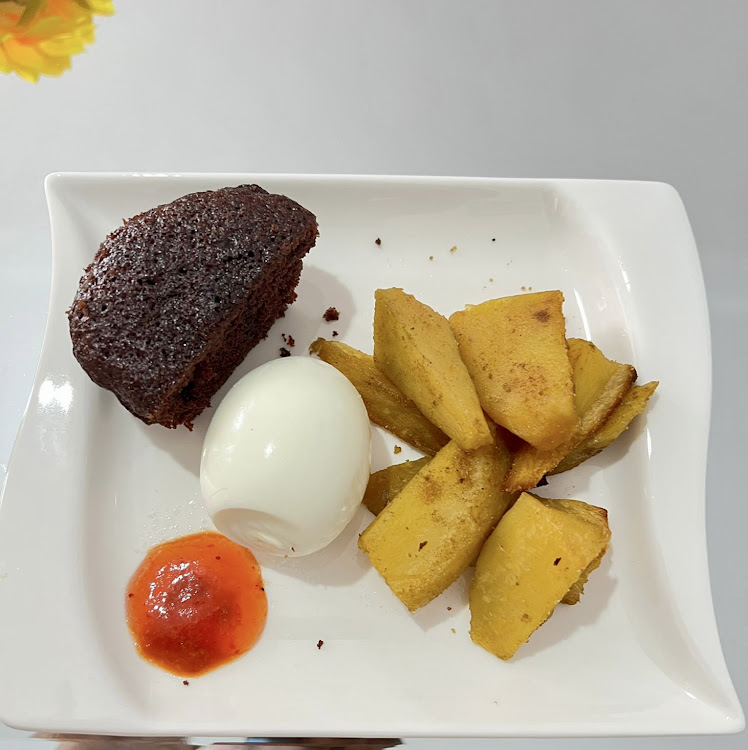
175,299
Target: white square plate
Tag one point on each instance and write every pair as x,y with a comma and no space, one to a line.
90,488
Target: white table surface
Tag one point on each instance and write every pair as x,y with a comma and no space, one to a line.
643,89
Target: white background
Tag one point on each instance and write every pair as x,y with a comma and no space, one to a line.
643,89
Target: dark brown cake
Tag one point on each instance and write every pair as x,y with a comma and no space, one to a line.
175,299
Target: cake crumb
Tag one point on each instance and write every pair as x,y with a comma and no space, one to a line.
491,280
453,630
453,249
449,609
334,334
397,449
523,289
284,352
331,314
431,257
290,341
320,643
493,239
185,682
377,241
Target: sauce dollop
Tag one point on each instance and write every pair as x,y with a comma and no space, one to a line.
196,603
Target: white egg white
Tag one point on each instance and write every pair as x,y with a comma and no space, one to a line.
286,458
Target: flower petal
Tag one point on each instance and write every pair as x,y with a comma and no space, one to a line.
62,46
29,75
23,55
66,9
5,66
87,33
101,7
54,26
10,15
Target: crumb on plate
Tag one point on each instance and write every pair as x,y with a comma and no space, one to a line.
331,314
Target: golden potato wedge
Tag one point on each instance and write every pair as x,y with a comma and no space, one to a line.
415,348
633,404
574,594
585,511
595,377
515,351
385,484
428,535
593,514
530,561
385,403
599,386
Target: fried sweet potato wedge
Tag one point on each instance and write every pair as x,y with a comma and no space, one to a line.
385,484
515,350
385,403
428,535
535,554
415,348
632,404
599,386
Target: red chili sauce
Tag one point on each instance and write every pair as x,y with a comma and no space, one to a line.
196,603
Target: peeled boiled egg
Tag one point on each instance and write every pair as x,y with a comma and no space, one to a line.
286,458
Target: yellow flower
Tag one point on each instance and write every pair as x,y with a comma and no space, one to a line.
38,37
